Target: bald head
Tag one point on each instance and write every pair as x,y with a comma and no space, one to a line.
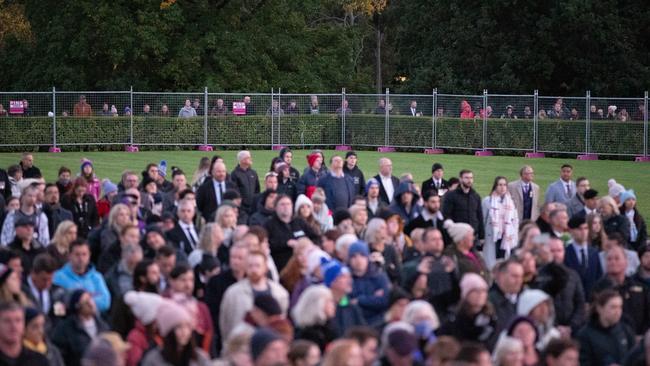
219,171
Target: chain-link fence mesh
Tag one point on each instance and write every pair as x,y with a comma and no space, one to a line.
458,121
598,125
616,125
510,122
562,126
26,119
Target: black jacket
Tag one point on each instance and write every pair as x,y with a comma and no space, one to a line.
85,214
321,334
206,198
281,232
618,224
429,185
57,295
32,172
214,291
248,184
382,191
504,308
604,346
5,186
26,256
347,316
479,327
464,207
72,340
358,179
180,239
56,215
636,302
420,222
564,285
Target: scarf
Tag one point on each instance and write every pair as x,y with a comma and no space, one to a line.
41,347
504,221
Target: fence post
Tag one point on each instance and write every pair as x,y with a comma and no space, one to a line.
205,146
644,157
588,123
272,124
484,151
433,113
535,121
131,147
386,120
54,148
343,113
279,121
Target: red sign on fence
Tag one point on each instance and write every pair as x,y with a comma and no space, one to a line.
16,107
238,108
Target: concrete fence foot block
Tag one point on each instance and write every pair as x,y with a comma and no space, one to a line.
277,147
483,153
131,148
642,159
54,149
535,155
343,148
205,148
434,151
588,157
386,149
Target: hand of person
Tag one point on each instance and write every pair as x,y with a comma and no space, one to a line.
377,257
425,265
292,243
449,264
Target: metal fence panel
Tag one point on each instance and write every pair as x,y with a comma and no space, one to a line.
510,122
306,119
410,120
24,118
365,121
628,113
168,118
562,126
250,126
458,121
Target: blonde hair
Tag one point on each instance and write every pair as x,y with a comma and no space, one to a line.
310,308
59,238
505,346
221,211
339,351
115,210
7,296
205,238
372,229
607,200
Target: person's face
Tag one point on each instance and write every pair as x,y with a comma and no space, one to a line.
525,332
616,261
317,206
229,218
271,182
131,236
183,284
246,161
153,172
556,248
513,358
288,157
166,264
165,108
284,207
359,264
131,181
305,211
343,283
369,351
570,357
28,161
71,234
512,279
29,197
630,203
433,204
52,195
502,187
42,280
433,242
16,265
146,108
13,283
477,298
80,191
386,168
270,201
274,354
220,103
237,259
583,186
560,220
566,173
542,312
105,107
87,305
153,274
596,224
527,109
581,233
35,330
438,174
12,326
13,205
345,104
606,209
183,334
255,268
196,103
318,163
188,103
247,100
179,182
65,176
313,356
407,198
88,169
219,171
80,258
373,191
360,218
391,228
611,312
467,180
186,213
123,217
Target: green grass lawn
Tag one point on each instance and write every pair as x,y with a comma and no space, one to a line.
111,164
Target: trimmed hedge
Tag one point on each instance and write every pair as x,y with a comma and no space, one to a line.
111,133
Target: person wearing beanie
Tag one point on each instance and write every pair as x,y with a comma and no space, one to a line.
614,190
388,183
87,171
74,335
436,183
24,243
374,204
144,306
304,209
339,280
400,348
36,339
405,203
309,179
538,305
268,348
563,189
471,282
109,192
638,228
370,285
463,205
339,188
352,170
175,326
463,253
286,156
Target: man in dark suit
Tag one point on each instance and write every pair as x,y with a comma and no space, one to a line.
413,110
39,289
430,216
590,198
581,257
436,182
388,183
209,196
185,236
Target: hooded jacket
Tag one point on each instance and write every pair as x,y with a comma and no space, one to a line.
397,207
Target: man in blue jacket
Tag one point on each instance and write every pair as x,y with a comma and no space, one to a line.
338,187
78,273
370,285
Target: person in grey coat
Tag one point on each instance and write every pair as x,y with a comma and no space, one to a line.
577,203
563,189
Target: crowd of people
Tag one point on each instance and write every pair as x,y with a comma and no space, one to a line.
193,108
319,267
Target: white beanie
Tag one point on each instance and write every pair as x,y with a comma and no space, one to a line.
314,259
470,282
529,299
144,305
302,200
457,230
615,189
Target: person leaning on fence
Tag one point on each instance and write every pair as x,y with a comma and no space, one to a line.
343,109
219,108
82,108
187,111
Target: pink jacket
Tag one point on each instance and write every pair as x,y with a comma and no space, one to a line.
95,188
